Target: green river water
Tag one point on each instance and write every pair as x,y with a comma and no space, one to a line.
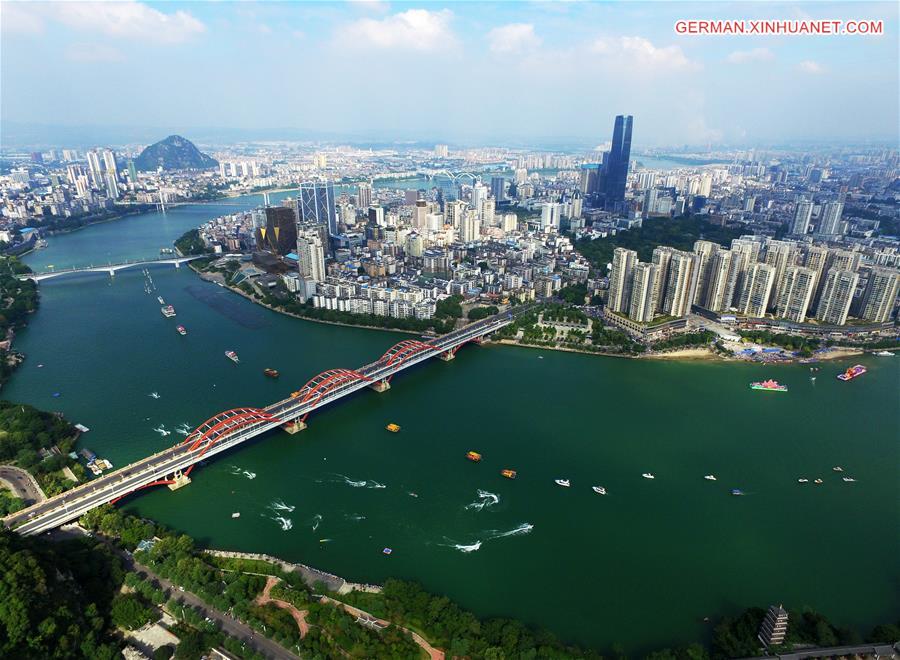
641,566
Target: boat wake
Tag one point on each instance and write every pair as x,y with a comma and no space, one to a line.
249,475
371,483
485,501
278,505
286,523
355,517
490,535
161,429
314,521
183,429
154,395
237,471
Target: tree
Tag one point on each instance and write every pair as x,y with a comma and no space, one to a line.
129,612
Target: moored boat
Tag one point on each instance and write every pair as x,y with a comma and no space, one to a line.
473,456
883,354
231,355
769,385
853,372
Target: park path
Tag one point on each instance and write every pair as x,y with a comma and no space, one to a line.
299,615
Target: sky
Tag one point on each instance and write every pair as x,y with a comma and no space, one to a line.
459,72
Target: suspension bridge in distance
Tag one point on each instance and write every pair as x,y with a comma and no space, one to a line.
172,467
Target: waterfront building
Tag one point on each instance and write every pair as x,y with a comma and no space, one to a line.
112,187
880,295
311,257
774,626
706,250
796,293
717,297
109,163
279,234
802,217
662,256
837,296
680,283
643,292
316,205
620,279
780,255
745,253
756,290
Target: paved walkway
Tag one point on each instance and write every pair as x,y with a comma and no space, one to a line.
299,615
22,484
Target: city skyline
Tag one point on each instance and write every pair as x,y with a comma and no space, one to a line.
535,72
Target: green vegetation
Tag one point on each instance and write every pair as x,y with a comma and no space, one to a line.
680,233
9,503
190,243
478,313
24,431
173,153
129,612
55,598
450,307
803,345
573,294
58,223
701,338
18,298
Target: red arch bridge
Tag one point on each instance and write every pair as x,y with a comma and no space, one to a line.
173,466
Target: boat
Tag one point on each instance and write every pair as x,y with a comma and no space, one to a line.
838,468
818,481
648,475
852,372
294,395
769,385
710,477
562,482
168,311
82,428
231,355
600,490
473,456
883,354
236,514
271,373
181,330
387,551
393,428
160,299
737,491
509,474
848,480
802,480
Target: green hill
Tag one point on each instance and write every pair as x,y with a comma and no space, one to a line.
174,153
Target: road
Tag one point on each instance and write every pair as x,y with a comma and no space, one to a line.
22,484
159,467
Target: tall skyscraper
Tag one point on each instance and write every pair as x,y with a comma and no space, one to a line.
643,292
479,194
802,217
662,256
311,256
796,293
880,297
830,221
717,297
364,196
95,169
680,284
109,162
837,296
615,166
756,290
780,254
707,251
316,203
498,183
620,279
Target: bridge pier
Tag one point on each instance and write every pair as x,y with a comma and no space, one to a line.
177,264
180,480
111,272
381,385
294,427
446,356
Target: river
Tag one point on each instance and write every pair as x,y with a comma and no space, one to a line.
641,566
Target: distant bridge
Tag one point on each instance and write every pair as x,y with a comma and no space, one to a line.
107,268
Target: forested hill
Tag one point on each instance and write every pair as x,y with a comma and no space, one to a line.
174,153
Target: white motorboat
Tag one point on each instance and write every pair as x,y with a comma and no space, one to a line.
838,468
849,480
600,490
648,475
562,482
802,480
710,477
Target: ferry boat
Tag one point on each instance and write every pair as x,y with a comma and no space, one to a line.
393,428
884,354
231,355
562,482
710,477
473,456
647,475
168,311
769,385
600,490
852,372
509,474
181,330
271,373
160,299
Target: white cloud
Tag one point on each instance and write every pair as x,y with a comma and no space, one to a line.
811,66
754,55
513,38
414,29
640,53
16,18
376,6
84,52
128,20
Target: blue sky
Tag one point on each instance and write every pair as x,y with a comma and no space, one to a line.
464,72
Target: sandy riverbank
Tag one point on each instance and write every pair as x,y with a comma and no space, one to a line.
694,353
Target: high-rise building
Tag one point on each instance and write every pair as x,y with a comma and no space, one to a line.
488,207
469,227
420,210
498,184
132,172
662,255
454,212
615,166
780,254
756,290
376,216
745,253
364,195
311,256
796,293
880,296
643,292
441,150
837,296
279,235
479,194
95,169
109,162
316,203
680,283
707,251
620,279
830,220
550,213
839,260
112,186
717,297
802,217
